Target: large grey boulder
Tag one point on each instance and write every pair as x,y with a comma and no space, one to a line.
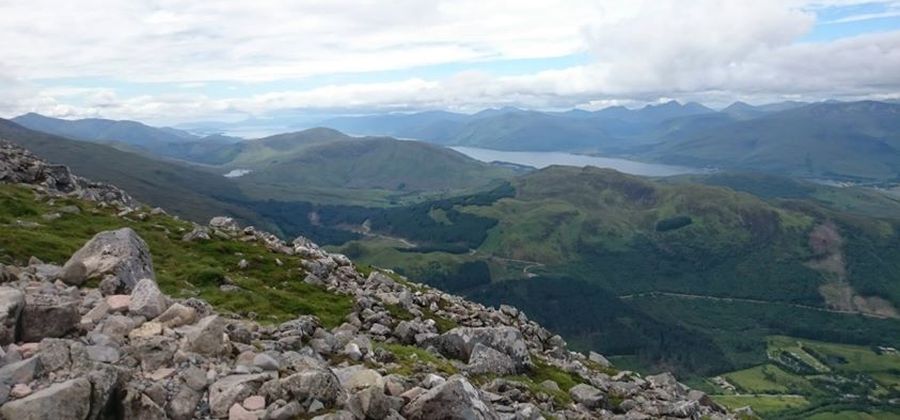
455,399
207,336
68,400
147,300
372,404
119,257
11,303
48,315
485,360
459,343
587,395
224,223
314,384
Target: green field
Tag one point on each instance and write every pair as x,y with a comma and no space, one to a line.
836,381
762,404
768,379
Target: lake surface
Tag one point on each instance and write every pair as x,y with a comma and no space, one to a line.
543,159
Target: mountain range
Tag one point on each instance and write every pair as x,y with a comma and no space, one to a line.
711,275
854,141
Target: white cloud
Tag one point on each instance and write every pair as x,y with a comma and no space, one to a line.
641,50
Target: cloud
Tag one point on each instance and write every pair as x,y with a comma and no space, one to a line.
639,51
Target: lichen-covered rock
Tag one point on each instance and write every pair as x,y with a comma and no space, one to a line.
459,342
314,384
120,257
62,401
206,337
48,315
147,300
486,360
587,395
455,399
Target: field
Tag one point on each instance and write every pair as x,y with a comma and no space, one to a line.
763,404
824,380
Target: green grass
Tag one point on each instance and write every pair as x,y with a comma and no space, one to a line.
842,358
352,170
768,379
762,404
274,293
856,415
442,324
412,359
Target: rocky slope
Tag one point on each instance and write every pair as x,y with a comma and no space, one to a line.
96,338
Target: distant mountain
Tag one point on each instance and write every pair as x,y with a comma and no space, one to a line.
102,130
183,189
133,136
515,129
326,165
850,140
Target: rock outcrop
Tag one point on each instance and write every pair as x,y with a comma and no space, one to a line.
404,350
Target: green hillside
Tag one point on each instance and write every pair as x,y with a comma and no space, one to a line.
379,168
185,190
854,141
706,267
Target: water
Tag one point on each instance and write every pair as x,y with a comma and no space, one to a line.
544,159
235,173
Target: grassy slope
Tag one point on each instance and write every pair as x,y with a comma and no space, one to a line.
184,269
181,189
368,170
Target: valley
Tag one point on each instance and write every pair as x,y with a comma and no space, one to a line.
688,270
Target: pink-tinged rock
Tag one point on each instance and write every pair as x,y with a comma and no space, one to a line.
118,303
20,391
254,403
28,349
237,412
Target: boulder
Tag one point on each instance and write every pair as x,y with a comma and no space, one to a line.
11,303
599,359
372,404
224,223
104,382
184,403
207,336
23,371
54,354
177,315
314,384
147,300
74,274
120,257
139,406
62,401
48,315
455,399
587,396
459,342
485,360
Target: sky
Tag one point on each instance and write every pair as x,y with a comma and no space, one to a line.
175,61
